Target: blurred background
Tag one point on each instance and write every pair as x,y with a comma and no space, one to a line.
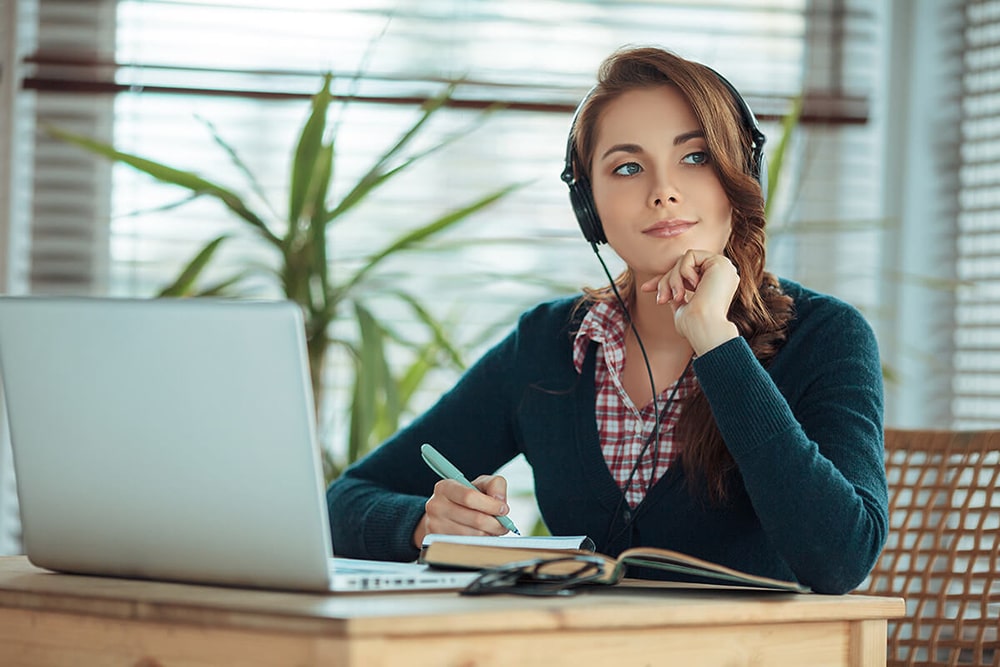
886,193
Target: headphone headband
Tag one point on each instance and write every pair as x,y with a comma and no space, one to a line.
755,164
582,198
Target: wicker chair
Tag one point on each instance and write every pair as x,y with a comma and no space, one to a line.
943,550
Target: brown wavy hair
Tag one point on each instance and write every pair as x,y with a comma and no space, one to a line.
760,309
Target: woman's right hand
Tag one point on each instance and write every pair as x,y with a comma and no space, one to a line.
455,509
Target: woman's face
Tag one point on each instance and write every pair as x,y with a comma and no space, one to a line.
654,188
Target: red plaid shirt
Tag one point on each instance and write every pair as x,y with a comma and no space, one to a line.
622,427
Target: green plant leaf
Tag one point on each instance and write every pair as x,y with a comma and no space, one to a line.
371,375
413,376
169,206
437,329
317,224
161,172
373,180
305,272
184,284
539,529
412,238
221,288
307,152
776,159
387,411
362,414
378,173
425,358
240,165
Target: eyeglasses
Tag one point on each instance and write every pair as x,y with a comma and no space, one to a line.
541,576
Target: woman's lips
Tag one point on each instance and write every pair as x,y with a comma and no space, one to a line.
667,228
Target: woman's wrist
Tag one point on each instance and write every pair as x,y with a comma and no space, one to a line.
713,336
420,531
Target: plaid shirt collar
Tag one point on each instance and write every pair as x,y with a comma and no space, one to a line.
604,323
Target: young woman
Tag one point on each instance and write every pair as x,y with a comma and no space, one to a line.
698,404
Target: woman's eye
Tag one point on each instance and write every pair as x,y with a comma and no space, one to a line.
628,169
698,157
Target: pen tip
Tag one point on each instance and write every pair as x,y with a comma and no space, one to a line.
517,532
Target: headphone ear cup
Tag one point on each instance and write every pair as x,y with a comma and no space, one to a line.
586,213
762,175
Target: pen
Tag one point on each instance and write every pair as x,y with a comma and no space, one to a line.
444,468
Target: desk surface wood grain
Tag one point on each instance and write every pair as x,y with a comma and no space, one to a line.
55,620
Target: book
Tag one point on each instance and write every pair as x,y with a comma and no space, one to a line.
457,552
560,542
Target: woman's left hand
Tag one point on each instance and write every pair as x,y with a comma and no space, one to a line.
700,289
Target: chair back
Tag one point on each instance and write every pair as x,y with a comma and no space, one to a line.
943,549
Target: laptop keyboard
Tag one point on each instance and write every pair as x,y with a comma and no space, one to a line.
359,566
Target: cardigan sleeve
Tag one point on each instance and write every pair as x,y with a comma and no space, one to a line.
810,452
376,503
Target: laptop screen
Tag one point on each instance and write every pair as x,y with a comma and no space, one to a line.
170,439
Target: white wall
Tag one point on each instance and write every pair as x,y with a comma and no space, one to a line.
918,345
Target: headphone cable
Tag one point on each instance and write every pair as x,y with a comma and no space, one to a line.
654,436
628,318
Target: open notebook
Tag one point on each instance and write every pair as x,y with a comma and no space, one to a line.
174,440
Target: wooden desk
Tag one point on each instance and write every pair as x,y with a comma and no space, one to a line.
55,619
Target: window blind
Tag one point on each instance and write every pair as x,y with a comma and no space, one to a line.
71,191
976,197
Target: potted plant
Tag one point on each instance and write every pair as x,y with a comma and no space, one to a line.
301,241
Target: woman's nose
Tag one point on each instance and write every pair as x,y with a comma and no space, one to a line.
664,190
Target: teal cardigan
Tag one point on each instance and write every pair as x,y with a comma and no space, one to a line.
808,502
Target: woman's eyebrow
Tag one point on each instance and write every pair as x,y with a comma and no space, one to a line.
688,136
623,148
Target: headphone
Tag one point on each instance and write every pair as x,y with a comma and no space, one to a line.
582,198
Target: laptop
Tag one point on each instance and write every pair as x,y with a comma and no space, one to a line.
174,439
